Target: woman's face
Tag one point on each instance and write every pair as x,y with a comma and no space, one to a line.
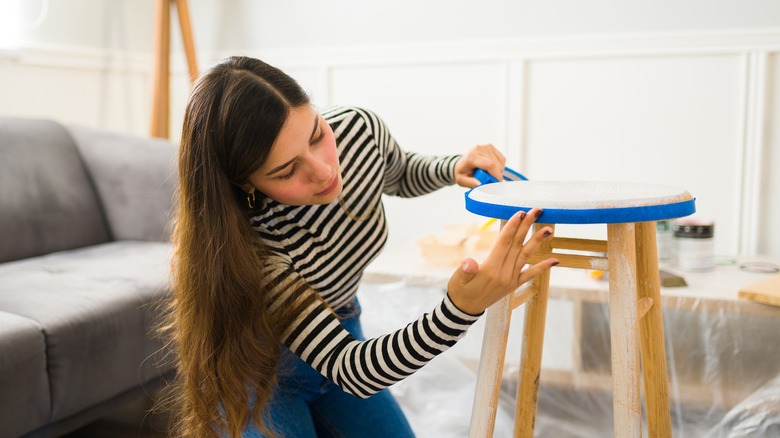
303,166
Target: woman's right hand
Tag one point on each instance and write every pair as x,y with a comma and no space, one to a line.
474,288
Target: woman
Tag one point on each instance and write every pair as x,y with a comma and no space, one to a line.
279,212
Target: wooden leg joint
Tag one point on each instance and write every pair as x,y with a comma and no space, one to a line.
643,306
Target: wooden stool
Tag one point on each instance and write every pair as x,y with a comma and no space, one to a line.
629,254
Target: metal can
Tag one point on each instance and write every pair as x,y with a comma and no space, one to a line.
695,245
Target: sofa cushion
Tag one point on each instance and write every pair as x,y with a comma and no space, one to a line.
135,178
25,386
47,201
97,308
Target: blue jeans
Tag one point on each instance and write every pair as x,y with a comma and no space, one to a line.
307,405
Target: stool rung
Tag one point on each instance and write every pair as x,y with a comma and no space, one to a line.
522,295
573,260
579,244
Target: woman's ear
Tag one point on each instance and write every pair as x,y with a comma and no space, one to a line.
247,187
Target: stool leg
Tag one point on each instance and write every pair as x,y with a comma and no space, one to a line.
652,334
531,356
624,330
491,365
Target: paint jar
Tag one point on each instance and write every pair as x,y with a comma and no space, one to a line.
695,244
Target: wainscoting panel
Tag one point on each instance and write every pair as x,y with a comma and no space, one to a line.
433,109
662,119
86,87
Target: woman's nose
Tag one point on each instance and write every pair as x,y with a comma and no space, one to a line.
321,171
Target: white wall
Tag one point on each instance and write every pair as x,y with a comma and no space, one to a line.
601,90
305,23
350,22
246,24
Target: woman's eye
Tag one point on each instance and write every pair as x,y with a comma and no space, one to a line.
319,137
290,174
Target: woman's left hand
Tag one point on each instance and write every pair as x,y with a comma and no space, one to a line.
483,156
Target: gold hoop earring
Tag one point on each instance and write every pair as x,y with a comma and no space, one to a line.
250,199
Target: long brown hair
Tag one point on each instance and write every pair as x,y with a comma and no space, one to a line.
226,342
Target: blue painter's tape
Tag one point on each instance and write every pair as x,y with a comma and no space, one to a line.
509,175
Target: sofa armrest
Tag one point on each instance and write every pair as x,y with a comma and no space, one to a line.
135,178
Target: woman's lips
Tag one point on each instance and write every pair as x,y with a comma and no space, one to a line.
330,188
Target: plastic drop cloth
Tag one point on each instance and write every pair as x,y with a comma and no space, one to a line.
723,363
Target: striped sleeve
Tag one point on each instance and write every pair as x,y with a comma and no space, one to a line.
361,368
408,174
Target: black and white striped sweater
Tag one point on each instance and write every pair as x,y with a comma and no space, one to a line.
322,249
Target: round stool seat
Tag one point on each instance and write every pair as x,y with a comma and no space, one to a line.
581,202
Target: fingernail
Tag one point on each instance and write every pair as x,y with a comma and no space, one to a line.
556,263
522,215
547,234
538,213
465,266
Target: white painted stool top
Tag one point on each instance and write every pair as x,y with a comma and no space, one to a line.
575,200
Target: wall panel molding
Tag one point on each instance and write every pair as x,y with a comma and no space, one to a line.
82,58
679,43
506,50
753,148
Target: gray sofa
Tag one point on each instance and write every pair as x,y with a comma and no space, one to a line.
84,266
